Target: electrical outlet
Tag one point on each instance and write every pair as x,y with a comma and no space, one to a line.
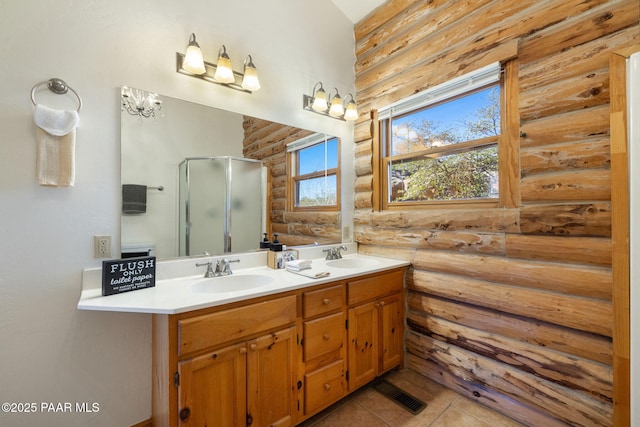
346,233
102,246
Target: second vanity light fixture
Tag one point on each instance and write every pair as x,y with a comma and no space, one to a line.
191,63
331,106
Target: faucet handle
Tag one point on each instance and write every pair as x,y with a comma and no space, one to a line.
209,264
226,265
338,249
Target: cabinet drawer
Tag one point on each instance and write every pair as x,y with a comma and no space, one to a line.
200,332
324,386
323,301
323,335
375,286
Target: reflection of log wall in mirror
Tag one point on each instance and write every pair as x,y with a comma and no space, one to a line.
267,141
152,148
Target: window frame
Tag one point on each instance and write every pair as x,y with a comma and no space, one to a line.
383,145
293,163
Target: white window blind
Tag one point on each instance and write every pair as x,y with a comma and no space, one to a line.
307,141
465,83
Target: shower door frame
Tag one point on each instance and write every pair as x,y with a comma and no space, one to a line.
227,238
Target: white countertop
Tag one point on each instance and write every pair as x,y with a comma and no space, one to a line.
176,291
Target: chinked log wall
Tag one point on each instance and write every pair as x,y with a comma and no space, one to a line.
267,141
509,306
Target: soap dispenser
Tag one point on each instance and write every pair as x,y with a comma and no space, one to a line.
265,243
276,246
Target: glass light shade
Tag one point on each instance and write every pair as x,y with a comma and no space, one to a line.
224,70
351,112
320,101
336,110
193,61
250,80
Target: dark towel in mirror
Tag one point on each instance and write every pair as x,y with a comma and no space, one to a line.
134,198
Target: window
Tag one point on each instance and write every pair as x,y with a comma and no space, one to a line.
441,146
315,178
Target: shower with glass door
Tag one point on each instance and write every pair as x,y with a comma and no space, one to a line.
221,205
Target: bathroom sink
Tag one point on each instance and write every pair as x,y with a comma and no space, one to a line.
240,282
353,263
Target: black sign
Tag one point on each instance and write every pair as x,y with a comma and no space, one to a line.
130,274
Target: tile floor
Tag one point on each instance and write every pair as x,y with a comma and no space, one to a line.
445,408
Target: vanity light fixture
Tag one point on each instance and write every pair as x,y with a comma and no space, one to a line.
139,103
221,73
335,108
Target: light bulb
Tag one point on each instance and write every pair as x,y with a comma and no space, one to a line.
193,61
336,109
224,72
320,100
250,80
351,112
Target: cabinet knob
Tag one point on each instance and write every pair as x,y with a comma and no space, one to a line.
326,337
254,347
326,301
243,350
185,413
327,387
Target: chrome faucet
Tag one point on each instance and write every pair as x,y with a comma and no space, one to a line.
334,253
223,267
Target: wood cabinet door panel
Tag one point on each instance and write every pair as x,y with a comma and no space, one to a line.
271,379
363,346
212,389
391,332
323,335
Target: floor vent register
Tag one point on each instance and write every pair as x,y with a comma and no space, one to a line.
397,395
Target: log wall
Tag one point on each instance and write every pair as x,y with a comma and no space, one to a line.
266,141
511,306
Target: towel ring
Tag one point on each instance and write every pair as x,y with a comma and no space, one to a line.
57,86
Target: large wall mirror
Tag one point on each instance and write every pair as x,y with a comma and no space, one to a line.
203,145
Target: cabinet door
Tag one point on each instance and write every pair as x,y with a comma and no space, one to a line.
363,344
271,379
212,389
391,332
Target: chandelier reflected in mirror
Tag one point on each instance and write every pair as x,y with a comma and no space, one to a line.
140,103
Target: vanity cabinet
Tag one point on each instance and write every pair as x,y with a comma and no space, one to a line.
227,368
376,326
279,359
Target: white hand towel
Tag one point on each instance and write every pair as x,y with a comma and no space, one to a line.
56,139
299,263
55,122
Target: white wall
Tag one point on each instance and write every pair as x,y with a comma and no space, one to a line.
50,351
